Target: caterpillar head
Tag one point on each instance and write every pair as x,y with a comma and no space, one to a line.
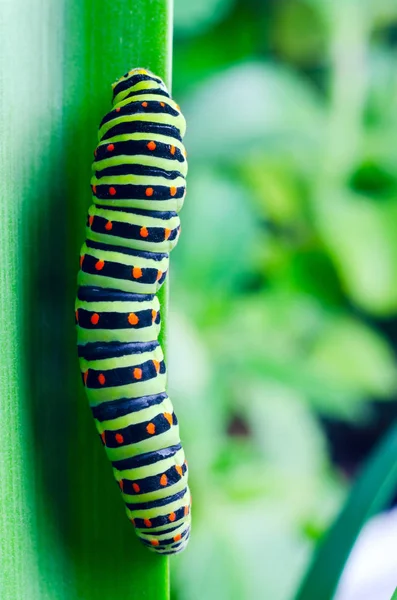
136,75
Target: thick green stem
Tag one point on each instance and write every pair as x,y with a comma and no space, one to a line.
63,531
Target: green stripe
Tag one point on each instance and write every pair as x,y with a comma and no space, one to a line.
136,417
120,306
160,511
153,469
142,85
131,390
161,118
174,204
146,180
147,160
145,334
130,360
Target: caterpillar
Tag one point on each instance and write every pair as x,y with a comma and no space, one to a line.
138,188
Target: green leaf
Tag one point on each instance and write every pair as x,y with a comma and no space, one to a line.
373,490
63,530
362,242
394,597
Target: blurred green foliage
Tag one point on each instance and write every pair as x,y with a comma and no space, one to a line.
284,280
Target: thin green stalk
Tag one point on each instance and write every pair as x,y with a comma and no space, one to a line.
63,531
372,492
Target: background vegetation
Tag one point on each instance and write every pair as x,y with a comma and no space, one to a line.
284,285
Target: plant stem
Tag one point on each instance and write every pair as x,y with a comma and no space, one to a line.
63,531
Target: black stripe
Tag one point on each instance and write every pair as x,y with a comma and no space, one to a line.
118,270
123,85
148,458
130,231
136,126
122,375
133,434
154,214
156,503
102,350
152,482
128,191
115,320
158,256
161,520
137,169
135,147
134,108
168,542
158,91
125,406
88,293
152,530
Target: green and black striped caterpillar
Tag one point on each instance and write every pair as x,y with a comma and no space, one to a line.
138,188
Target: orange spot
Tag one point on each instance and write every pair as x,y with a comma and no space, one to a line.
94,189
95,152
119,438
144,104
110,148
147,522
77,315
112,191
132,319
118,109
186,511
184,153
178,107
151,428
178,469
172,149
121,484
99,265
168,416
95,319
154,315
177,537
156,365
155,542
167,233
136,487
162,104
85,377
133,522
151,146
101,378
159,274
91,220
103,438
144,232
109,225
173,191
163,479
137,373
137,272
81,260
172,517
149,191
